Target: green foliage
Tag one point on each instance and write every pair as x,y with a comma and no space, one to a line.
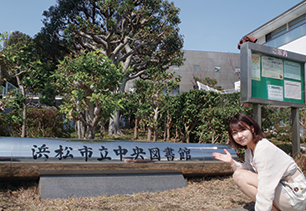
151,97
139,35
88,79
215,123
19,67
146,31
188,107
40,123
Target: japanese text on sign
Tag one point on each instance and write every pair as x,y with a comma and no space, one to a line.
87,152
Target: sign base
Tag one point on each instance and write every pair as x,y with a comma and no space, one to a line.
65,184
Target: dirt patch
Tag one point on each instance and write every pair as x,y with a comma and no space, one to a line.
210,193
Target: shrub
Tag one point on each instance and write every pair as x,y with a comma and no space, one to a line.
40,123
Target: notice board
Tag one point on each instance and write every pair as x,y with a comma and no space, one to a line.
272,76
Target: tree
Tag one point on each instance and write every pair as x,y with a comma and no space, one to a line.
211,82
155,93
132,101
87,79
173,113
193,102
135,34
19,67
49,50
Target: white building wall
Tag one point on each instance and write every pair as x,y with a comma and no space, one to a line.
296,46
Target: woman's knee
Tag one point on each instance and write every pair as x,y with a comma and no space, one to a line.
238,176
241,177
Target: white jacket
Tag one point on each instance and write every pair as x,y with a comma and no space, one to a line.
271,164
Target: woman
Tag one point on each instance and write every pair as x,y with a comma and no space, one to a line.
268,172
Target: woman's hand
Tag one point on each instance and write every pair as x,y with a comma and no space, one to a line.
227,157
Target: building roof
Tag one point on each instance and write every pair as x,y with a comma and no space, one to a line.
280,20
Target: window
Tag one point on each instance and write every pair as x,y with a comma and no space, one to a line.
175,91
175,67
277,32
237,69
196,67
297,22
217,69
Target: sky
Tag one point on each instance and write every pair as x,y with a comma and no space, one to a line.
207,25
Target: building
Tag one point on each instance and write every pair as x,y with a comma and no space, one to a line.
286,31
225,67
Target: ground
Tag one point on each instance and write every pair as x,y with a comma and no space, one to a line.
206,193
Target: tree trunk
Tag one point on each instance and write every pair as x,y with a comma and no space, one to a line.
169,125
155,125
165,129
155,133
78,127
83,126
79,122
176,134
149,133
102,129
24,115
114,122
91,132
83,130
187,136
137,119
144,129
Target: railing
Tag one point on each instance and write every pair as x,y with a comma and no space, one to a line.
8,88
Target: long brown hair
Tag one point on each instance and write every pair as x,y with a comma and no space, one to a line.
241,122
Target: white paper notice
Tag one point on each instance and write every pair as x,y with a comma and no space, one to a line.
293,90
292,70
272,67
275,92
255,67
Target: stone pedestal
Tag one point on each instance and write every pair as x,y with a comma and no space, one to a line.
65,184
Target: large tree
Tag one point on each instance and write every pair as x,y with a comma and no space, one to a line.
87,79
155,98
137,34
49,50
20,68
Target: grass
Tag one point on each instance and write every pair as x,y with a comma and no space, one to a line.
200,194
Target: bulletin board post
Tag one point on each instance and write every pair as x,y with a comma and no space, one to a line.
271,76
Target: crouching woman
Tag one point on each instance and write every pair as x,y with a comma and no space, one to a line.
268,176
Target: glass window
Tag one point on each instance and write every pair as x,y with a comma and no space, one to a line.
196,67
175,67
217,69
175,91
297,22
277,32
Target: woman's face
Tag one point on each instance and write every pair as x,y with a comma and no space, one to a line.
243,137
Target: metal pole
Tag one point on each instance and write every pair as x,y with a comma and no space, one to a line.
257,113
295,132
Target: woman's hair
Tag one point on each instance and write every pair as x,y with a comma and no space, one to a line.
243,122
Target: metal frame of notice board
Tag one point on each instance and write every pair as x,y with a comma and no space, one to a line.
267,82
273,76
